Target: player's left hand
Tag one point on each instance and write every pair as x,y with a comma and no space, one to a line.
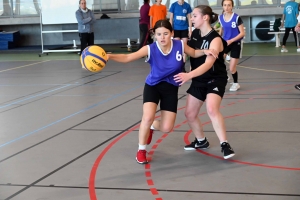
108,56
211,52
182,77
229,42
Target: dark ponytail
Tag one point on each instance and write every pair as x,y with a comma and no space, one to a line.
214,18
206,10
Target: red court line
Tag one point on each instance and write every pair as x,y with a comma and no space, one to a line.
186,139
92,190
147,166
148,174
154,191
93,173
150,182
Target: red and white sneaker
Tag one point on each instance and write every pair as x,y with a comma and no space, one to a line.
150,137
141,157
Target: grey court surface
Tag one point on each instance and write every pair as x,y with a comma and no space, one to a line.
70,134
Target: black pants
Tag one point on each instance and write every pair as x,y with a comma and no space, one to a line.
287,33
86,39
144,35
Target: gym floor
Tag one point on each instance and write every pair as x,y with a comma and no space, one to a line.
67,133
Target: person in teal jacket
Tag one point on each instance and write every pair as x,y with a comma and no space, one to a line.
289,20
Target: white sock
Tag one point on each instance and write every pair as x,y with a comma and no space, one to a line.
223,141
152,127
142,147
201,139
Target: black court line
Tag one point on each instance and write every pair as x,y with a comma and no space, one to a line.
244,131
111,130
72,128
71,161
267,78
262,131
55,93
227,94
66,130
46,89
263,98
262,81
265,94
247,59
78,157
160,190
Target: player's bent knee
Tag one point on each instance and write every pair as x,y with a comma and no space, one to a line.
166,128
212,112
190,116
148,120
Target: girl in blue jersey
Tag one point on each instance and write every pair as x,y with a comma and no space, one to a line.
165,57
209,79
232,30
180,18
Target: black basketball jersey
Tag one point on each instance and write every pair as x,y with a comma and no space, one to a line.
218,70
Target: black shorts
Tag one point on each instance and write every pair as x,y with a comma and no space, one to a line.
234,49
181,33
163,92
215,87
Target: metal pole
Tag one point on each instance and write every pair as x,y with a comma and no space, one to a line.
41,25
11,8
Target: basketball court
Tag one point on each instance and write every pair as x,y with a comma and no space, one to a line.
67,133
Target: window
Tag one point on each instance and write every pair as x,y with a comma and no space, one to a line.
26,7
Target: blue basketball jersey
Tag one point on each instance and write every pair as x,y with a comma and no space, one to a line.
180,12
165,66
230,28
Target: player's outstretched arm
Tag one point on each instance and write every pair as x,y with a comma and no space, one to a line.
125,58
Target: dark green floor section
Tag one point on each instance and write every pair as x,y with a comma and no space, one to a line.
18,54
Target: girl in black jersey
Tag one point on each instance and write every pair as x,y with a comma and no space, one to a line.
209,79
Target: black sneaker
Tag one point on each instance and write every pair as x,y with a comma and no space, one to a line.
297,87
227,150
197,145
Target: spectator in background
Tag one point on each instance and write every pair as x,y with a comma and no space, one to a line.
289,20
180,18
85,19
144,24
157,12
